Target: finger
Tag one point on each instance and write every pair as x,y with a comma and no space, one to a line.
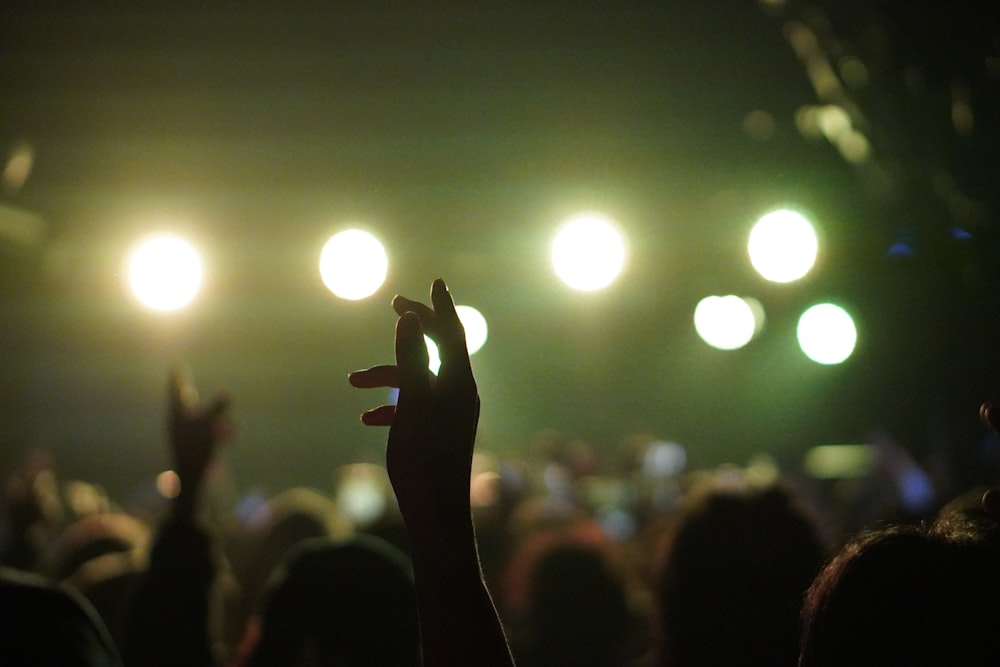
376,376
411,356
403,305
451,330
380,416
451,333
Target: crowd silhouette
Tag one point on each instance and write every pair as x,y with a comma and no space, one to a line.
716,568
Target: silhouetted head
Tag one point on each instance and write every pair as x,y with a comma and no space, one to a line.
577,613
736,564
42,624
915,595
565,599
290,517
339,603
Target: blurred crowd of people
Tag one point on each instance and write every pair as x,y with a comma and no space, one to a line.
446,557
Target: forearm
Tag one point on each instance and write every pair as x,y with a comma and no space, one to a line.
458,621
170,611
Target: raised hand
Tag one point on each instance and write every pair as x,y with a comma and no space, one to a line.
429,459
433,424
195,433
171,610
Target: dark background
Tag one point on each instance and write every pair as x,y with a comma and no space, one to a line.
462,134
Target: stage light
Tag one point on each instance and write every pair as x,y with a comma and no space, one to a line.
164,272
783,246
168,484
18,167
475,335
362,490
827,334
725,322
588,252
854,72
484,489
840,461
664,459
759,315
353,264
475,327
854,147
833,122
759,125
433,356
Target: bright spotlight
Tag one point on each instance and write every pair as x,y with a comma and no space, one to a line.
759,315
164,272
353,264
725,322
783,246
475,336
475,327
361,492
168,484
839,461
664,459
827,334
433,356
588,252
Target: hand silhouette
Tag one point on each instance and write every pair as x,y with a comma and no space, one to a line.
433,424
195,433
432,431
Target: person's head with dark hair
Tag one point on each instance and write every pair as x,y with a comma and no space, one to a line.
46,624
277,526
577,611
737,562
915,595
336,603
101,555
970,519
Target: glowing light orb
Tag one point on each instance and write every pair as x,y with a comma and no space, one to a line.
168,484
759,315
664,459
725,322
362,500
588,252
827,334
783,246
834,122
433,356
475,327
165,273
840,461
353,264
475,335
484,490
